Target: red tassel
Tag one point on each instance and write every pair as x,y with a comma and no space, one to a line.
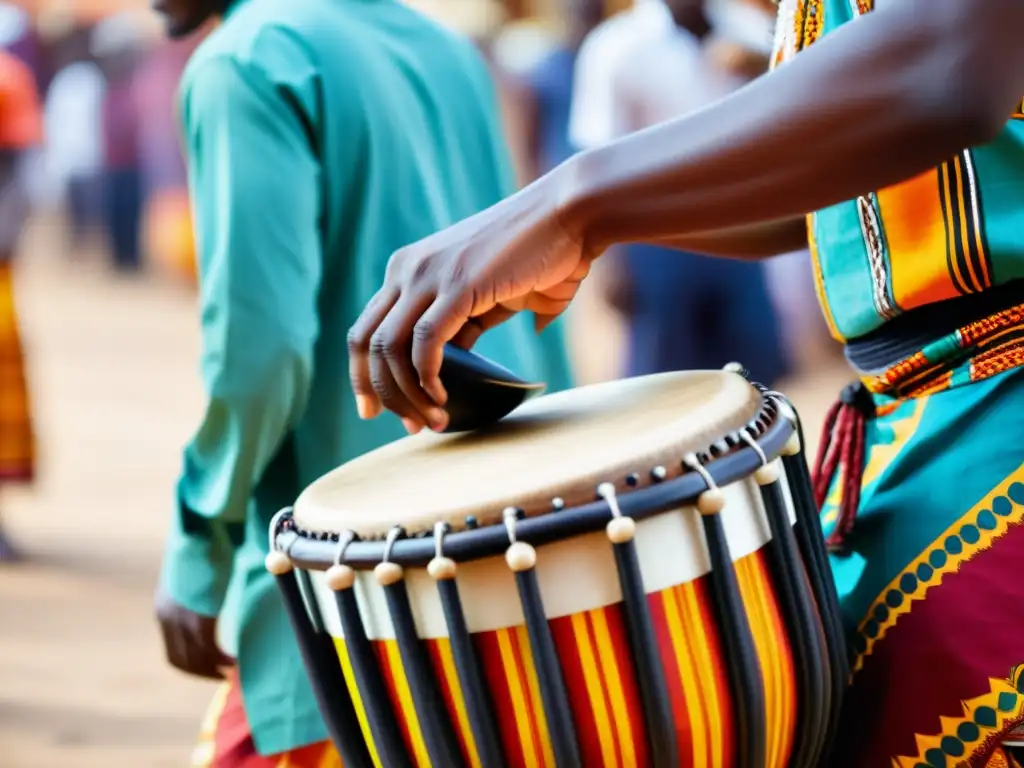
842,449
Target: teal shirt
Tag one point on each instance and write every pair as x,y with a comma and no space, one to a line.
321,136
954,230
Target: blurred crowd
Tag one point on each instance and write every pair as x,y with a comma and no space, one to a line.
109,158
577,74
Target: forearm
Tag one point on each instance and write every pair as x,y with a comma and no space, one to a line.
752,242
245,423
875,103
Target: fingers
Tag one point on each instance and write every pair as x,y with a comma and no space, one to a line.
190,642
439,324
367,403
475,327
393,375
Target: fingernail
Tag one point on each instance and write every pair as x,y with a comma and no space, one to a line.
412,426
364,407
438,418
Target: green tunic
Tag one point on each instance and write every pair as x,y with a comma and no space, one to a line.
321,136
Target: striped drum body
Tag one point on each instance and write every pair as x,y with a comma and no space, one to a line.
657,599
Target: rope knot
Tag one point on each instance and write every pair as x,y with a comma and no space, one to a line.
842,449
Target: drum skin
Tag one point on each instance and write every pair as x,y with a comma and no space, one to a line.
592,649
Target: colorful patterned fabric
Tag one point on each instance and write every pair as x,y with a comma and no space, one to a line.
605,699
602,688
930,576
225,740
17,440
951,231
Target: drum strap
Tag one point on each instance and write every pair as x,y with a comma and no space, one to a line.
842,450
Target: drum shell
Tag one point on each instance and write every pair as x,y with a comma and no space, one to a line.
582,599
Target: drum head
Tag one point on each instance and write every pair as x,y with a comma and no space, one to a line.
559,446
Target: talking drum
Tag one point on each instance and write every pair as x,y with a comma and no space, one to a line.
627,574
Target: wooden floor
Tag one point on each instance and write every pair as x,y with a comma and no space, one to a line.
113,370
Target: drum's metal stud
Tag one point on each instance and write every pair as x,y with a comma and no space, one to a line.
520,557
792,446
388,574
558,503
278,563
658,474
632,479
472,522
621,529
340,577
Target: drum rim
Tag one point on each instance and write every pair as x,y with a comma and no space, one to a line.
770,431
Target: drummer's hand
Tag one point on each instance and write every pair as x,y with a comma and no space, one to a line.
453,286
190,640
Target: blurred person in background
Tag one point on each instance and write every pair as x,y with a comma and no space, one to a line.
314,150
21,130
596,117
689,311
167,225
73,154
21,40
117,46
549,89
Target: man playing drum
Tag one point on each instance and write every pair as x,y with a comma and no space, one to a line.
321,135
918,248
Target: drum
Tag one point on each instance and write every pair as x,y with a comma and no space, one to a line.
627,574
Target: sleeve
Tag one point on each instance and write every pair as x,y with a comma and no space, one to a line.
254,180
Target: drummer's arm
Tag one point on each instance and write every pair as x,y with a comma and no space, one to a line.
753,242
255,184
874,103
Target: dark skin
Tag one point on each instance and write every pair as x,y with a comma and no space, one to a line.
190,638
872,104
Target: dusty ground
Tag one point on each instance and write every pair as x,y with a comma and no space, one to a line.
82,681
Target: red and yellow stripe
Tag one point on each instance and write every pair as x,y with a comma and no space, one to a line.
602,687
775,655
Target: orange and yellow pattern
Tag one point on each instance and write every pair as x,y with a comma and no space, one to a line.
602,688
17,437
977,733
225,739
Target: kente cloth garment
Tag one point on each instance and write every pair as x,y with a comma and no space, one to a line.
17,438
929,577
926,512
225,740
955,230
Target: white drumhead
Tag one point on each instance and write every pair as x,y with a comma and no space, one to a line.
561,445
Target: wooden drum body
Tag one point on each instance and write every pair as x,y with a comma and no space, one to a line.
630,574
